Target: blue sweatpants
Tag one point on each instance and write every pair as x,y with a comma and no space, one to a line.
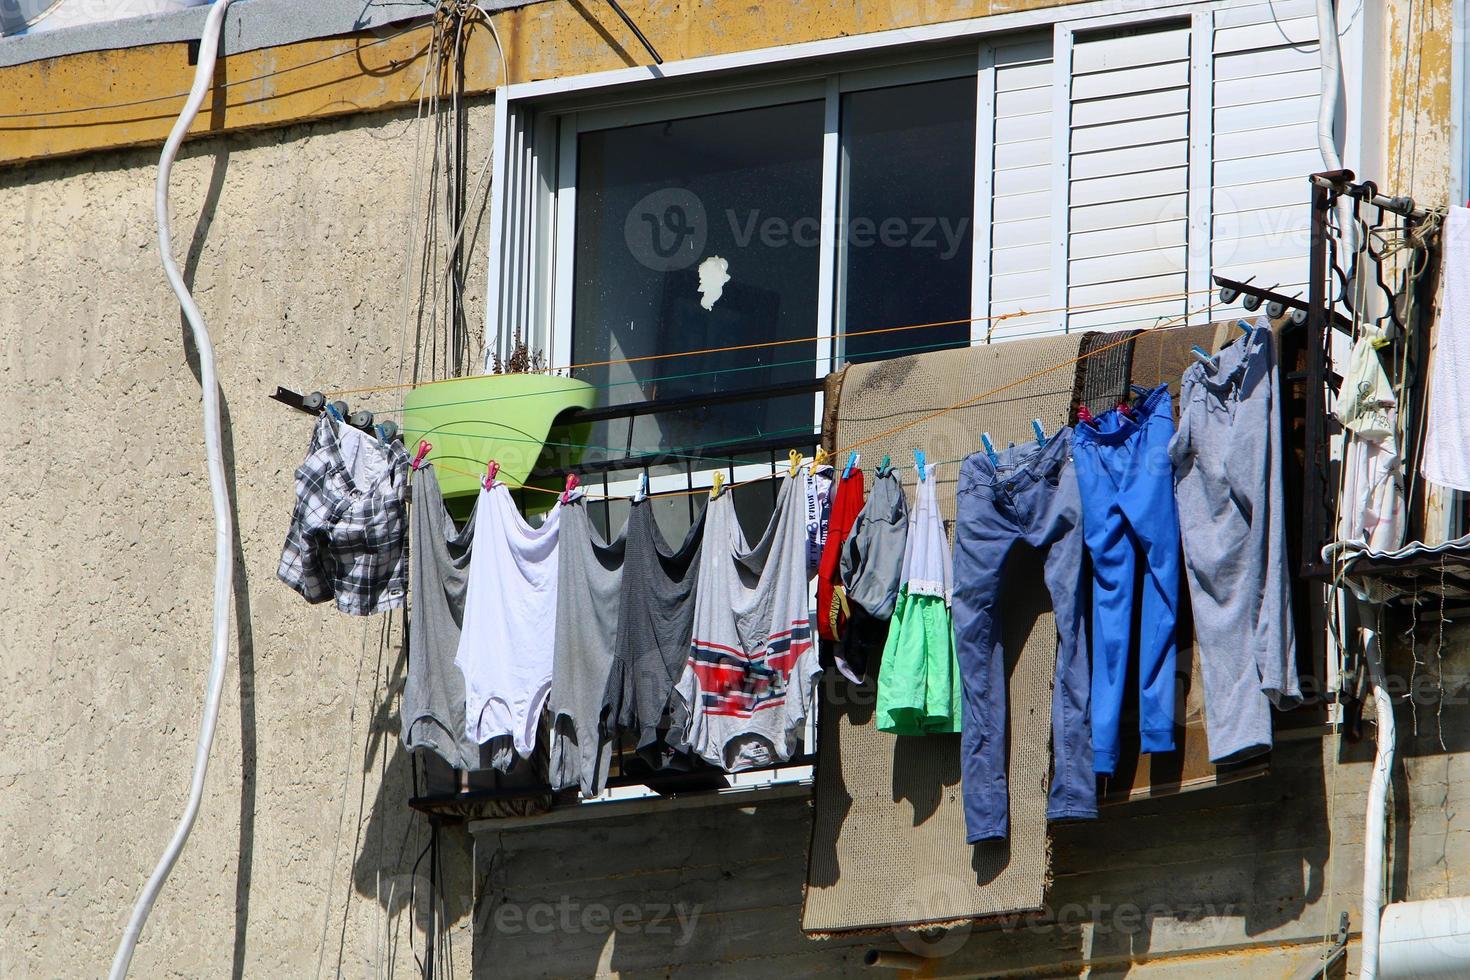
1128,514
1029,496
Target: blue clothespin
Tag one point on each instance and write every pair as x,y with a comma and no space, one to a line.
642,493
852,459
1200,353
884,466
989,447
1040,432
1245,325
919,463
332,411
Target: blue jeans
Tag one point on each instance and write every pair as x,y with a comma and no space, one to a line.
1029,496
1128,511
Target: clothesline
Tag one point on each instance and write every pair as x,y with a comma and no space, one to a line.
643,358
592,618
679,454
889,351
1173,323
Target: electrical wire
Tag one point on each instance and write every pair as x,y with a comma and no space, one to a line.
1159,327
785,341
713,372
224,551
154,99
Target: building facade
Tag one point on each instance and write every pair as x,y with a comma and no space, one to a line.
1039,147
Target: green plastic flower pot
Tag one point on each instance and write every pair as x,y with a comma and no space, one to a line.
509,418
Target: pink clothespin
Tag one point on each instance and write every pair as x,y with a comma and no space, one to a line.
1084,415
491,468
418,459
572,484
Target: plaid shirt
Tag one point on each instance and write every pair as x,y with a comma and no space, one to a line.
349,532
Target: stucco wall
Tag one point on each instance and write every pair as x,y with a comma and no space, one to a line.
1248,879
106,550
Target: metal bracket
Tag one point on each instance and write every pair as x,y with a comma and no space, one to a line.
1318,971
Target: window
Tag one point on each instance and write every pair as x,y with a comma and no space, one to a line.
906,229
692,234
1092,176
919,189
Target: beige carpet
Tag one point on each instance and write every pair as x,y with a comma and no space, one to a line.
888,841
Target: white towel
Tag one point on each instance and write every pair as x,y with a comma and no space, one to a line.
1447,432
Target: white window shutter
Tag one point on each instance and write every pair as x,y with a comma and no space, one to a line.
1128,177
1266,89
1017,81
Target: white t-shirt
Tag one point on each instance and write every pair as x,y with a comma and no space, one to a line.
506,646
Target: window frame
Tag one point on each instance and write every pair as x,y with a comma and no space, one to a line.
533,197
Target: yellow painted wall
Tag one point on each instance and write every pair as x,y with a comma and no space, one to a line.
130,96
1417,107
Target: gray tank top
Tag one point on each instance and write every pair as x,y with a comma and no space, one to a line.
655,622
432,709
589,588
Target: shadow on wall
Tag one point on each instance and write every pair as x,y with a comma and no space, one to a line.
390,852
419,880
714,890
244,628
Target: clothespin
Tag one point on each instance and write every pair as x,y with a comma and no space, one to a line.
884,466
335,412
418,459
572,484
491,468
852,459
919,463
717,481
1084,415
1200,353
1037,428
989,448
642,493
795,456
820,459
1245,325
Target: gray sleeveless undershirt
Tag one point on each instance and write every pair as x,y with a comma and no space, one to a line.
655,622
432,708
589,589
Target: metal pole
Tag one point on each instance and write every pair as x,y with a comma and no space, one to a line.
1314,479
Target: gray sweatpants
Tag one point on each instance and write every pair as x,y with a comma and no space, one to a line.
1227,482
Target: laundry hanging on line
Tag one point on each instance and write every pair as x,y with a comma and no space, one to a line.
734,687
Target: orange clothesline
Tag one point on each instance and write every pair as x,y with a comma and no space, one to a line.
992,318
966,403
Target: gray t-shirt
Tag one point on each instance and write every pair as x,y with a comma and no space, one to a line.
655,623
589,588
872,556
432,709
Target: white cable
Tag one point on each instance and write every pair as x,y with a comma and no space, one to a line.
1376,829
224,552
1331,58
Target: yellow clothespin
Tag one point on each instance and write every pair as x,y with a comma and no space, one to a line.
795,455
718,482
820,460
